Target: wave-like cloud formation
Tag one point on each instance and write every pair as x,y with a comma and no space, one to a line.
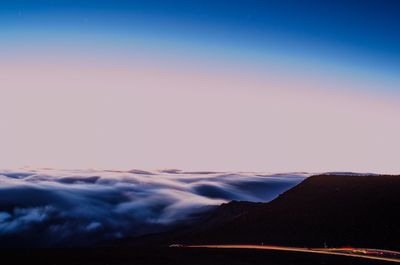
58,207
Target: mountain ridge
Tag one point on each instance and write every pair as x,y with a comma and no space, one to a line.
325,209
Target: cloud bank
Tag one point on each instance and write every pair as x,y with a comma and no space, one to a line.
65,207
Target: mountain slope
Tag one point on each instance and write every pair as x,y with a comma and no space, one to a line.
339,210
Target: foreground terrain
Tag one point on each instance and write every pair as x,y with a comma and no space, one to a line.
174,256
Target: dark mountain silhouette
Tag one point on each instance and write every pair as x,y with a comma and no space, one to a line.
336,210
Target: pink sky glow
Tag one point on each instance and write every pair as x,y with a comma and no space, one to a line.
157,114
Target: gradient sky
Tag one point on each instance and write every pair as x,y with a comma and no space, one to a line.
201,85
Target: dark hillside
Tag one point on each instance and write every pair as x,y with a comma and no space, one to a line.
339,210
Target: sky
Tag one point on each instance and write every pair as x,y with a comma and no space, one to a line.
272,86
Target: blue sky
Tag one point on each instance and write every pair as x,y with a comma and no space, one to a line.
355,33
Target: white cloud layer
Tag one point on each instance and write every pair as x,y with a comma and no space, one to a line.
54,207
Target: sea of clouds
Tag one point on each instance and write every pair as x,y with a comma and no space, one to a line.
50,207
